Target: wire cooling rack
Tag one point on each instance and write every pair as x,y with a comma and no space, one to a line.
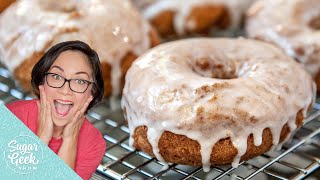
298,159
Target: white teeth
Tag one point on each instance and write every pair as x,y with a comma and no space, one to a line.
62,102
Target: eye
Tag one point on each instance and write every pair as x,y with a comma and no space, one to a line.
56,77
80,81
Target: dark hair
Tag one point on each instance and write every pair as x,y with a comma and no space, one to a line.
46,61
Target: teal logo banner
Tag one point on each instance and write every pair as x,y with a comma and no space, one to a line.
24,156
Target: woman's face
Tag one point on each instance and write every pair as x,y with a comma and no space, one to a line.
65,102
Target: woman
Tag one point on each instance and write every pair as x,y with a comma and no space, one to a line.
67,81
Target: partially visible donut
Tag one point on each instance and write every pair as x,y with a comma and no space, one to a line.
113,28
292,25
179,18
214,101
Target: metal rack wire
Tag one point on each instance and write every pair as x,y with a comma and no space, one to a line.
298,159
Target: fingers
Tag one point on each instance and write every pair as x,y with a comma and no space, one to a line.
77,118
43,98
74,126
43,103
48,111
80,114
86,104
45,130
39,106
42,94
44,107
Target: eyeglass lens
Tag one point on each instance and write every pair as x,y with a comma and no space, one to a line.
76,85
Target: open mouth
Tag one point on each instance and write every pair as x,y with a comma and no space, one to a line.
62,107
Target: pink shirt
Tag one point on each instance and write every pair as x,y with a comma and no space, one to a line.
91,145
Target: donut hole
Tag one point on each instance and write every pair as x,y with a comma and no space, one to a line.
315,23
223,74
206,67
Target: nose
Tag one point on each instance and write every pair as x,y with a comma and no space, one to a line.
65,89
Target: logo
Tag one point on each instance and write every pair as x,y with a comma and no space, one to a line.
23,154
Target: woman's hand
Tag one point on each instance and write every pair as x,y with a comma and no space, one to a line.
72,129
68,149
45,123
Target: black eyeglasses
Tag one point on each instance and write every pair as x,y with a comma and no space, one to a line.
76,85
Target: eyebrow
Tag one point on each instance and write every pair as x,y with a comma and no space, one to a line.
57,67
80,72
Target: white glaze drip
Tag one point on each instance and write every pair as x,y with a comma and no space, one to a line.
206,147
286,24
241,145
257,136
112,28
154,136
163,92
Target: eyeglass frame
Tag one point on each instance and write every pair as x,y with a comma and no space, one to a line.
67,80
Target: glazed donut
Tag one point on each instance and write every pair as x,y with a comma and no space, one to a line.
179,18
292,25
113,28
213,101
